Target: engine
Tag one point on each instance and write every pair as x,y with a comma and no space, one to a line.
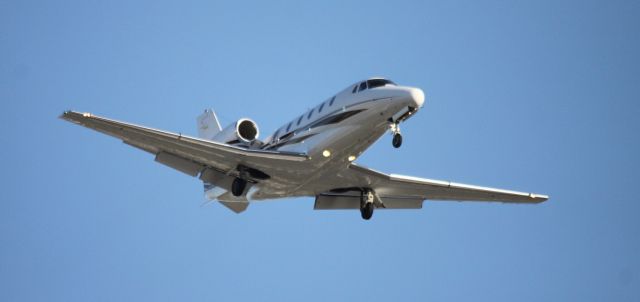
244,131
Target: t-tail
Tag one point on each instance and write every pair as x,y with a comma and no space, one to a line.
208,125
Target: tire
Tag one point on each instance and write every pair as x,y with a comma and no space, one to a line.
238,186
397,140
367,210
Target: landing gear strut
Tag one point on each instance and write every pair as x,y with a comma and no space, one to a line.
366,204
238,186
397,137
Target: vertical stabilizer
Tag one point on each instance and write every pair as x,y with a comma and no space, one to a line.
208,125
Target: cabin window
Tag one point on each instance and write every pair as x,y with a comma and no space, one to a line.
379,82
363,86
331,102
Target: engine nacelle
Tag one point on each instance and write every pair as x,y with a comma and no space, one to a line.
244,131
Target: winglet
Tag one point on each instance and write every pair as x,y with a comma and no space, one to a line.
65,114
74,117
538,197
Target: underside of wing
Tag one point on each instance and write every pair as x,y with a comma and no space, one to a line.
406,192
184,153
351,201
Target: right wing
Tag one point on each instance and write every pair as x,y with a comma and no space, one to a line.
184,153
406,192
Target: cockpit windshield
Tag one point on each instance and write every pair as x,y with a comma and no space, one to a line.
379,82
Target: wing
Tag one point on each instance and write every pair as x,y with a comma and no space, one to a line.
187,154
406,192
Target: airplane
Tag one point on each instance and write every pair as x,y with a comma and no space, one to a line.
312,155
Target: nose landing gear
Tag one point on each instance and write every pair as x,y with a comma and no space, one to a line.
397,140
397,137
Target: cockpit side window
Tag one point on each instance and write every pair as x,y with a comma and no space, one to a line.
379,83
363,86
354,88
300,120
289,127
320,109
310,113
331,102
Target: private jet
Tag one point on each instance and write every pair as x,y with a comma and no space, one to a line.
312,155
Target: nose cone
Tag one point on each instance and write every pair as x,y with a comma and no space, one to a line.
417,95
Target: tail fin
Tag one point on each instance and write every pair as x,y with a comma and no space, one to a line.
208,125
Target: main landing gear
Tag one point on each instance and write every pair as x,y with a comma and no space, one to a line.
240,182
238,186
366,204
397,137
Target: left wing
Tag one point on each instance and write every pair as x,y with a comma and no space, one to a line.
184,153
398,191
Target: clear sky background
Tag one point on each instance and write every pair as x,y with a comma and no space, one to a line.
538,96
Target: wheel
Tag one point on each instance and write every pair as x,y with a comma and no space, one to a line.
397,140
237,187
366,204
367,210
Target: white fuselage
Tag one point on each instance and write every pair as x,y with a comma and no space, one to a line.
335,133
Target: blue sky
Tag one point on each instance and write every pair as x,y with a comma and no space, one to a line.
537,96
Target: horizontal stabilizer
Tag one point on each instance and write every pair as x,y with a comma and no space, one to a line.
237,207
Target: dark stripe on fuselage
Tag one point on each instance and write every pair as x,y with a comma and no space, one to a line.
336,118
331,119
